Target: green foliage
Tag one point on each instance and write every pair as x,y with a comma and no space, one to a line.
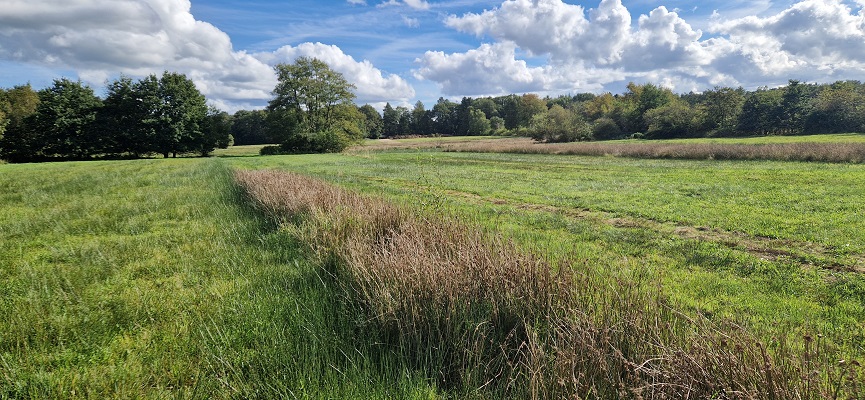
640,100
17,142
250,127
559,125
674,120
606,129
181,115
838,108
216,132
372,122
761,112
64,120
310,91
390,121
312,109
722,109
478,124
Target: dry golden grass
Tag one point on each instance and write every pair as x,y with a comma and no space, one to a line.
483,318
806,150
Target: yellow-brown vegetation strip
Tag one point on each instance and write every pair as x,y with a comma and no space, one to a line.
817,152
806,151
482,317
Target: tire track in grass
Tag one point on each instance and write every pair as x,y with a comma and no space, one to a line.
804,253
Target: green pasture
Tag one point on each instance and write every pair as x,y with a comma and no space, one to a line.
767,244
153,279
156,279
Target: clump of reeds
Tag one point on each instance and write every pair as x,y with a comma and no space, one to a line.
812,152
483,318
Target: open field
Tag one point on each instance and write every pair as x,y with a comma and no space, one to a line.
773,245
157,278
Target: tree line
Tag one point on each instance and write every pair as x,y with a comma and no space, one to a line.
643,111
313,110
164,115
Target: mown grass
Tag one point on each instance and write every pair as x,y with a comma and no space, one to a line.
622,216
240,151
153,279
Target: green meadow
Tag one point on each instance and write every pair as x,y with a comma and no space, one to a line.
774,245
159,279
151,279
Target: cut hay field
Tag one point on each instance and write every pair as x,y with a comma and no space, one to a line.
165,279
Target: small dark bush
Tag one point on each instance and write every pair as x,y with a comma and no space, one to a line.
606,129
270,150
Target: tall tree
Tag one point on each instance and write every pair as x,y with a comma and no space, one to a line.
722,106
795,106
761,112
643,98
18,142
405,122
372,121
64,121
182,113
130,114
250,127
390,121
444,116
310,91
478,124
421,120
216,132
839,107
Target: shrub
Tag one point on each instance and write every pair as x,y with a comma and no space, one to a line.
270,150
606,129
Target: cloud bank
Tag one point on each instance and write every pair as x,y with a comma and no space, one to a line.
813,40
101,38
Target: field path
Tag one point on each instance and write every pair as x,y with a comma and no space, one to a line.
801,252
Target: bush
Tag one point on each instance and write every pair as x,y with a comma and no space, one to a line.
270,150
606,129
559,125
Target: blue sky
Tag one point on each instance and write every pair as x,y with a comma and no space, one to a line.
401,51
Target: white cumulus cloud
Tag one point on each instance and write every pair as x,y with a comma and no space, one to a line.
102,38
372,84
586,48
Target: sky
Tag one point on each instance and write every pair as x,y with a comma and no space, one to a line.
402,51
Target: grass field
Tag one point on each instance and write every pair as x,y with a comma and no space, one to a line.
775,245
152,279
158,279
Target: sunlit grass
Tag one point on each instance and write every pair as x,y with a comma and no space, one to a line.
153,279
623,215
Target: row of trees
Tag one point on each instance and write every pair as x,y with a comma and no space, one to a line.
642,111
646,111
155,115
313,111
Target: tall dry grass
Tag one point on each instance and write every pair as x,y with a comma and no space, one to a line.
483,318
809,151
